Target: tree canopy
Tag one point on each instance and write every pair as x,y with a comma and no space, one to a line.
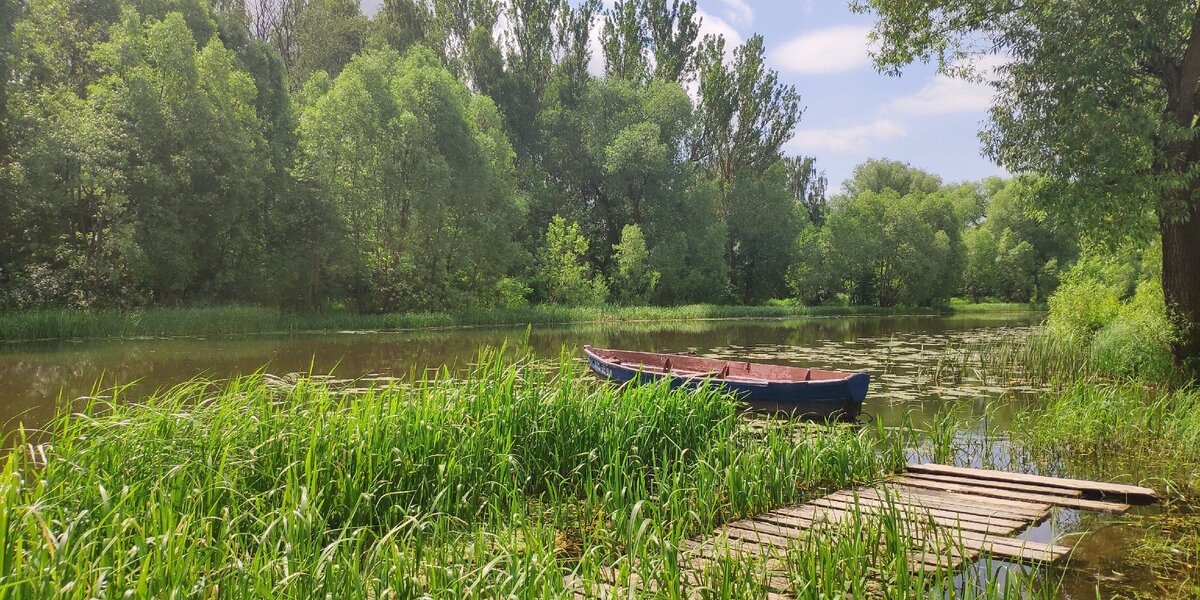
1102,99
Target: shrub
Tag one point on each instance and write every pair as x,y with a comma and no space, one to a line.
1136,343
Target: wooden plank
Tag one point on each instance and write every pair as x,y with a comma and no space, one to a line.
977,509
831,515
1005,547
941,517
1027,506
767,528
1004,485
1100,487
775,580
1097,505
951,511
916,517
749,535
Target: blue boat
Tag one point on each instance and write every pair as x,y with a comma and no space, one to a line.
777,388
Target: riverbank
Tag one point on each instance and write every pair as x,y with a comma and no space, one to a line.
515,480
165,322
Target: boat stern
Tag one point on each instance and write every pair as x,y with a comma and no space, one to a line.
856,386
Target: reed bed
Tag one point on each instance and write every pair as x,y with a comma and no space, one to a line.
515,480
500,482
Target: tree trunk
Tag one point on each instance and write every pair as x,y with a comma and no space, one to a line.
1181,285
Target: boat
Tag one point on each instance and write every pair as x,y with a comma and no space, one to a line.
796,390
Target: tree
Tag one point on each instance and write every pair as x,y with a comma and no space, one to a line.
763,226
673,30
562,269
808,186
879,174
1101,98
745,114
635,279
328,34
624,42
423,177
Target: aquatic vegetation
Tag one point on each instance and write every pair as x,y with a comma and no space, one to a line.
506,480
55,324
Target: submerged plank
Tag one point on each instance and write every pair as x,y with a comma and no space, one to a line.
1101,487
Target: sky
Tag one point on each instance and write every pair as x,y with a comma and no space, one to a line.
852,112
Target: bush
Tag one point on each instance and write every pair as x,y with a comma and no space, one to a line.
1137,342
1082,307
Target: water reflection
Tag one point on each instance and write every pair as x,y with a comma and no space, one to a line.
34,374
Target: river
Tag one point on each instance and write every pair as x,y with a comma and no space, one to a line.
900,352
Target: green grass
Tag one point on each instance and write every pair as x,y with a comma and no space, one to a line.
507,481
157,322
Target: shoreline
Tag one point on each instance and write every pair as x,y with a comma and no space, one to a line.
65,324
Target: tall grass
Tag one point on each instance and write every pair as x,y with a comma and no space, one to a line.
508,481
55,324
1127,419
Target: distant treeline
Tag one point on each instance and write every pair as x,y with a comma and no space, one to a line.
449,154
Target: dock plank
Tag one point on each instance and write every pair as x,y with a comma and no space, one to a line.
946,517
1004,485
1096,505
1084,485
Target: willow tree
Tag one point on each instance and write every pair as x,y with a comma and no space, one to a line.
1103,98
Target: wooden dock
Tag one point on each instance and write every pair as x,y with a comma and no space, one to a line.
952,515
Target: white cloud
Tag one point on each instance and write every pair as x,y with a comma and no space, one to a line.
856,139
950,95
714,25
943,95
739,13
831,50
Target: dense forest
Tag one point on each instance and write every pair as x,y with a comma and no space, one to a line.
454,153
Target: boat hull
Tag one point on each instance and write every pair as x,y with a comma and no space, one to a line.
826,399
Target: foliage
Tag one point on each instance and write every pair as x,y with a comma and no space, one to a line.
1112,304
429,210
563,271
1099,99
887,249
1015,253
634,280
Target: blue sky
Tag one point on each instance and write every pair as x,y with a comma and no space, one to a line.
853,113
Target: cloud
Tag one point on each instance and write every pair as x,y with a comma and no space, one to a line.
830,50
856,139
714,25
739,13
944,94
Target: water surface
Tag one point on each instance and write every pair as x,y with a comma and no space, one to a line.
903,354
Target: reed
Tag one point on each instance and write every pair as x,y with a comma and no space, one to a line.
510,480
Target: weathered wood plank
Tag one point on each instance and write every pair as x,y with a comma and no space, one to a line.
1004,485
1097,505
942,517
1026,506
975,509
1117,489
